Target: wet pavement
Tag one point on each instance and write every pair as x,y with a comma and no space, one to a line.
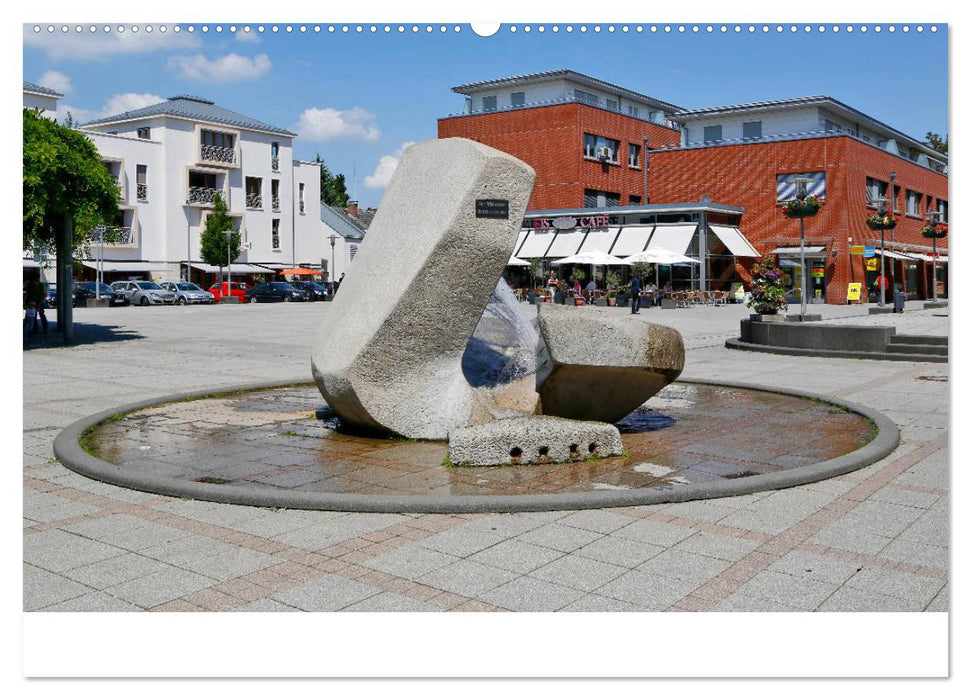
269,440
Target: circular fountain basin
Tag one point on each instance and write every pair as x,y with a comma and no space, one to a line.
265,447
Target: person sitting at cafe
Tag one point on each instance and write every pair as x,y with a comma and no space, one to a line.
591,289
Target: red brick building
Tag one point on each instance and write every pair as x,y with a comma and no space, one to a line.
585,139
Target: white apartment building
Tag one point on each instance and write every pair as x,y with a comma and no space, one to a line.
41,98
171,159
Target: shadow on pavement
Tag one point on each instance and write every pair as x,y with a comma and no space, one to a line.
84,334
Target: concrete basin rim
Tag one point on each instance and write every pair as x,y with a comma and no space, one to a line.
68,451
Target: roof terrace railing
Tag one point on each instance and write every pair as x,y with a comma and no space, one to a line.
567,100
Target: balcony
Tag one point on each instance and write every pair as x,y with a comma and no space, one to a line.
114,235
254,200
275,164
275,201
141,192
592,101
218,154
303,208
202,195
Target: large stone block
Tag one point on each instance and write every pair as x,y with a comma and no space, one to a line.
600,365
389,352
532,440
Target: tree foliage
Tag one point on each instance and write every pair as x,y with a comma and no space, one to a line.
63,176
333,188
213,243
936,142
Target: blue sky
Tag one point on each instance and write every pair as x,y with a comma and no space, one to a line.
357,98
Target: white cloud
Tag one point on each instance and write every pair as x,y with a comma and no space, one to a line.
250,37
230,68
55,81
381,177
329,124
92,46
116,104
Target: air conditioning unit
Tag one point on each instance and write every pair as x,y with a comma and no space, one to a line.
605,154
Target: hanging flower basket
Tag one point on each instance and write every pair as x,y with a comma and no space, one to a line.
882,222
768,287
802,208
938,231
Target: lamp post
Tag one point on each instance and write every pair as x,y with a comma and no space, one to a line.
882,280
229,263
333,269
933,217
801,186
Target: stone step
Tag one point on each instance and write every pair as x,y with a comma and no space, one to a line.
918,349
918,340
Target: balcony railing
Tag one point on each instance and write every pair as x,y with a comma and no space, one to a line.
218,154
276,203
141,192
202,195
303,208
254,201
114,235
659,120
275,164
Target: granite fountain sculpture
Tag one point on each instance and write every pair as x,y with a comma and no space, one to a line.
397,346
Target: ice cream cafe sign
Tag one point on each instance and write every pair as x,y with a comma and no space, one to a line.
563,223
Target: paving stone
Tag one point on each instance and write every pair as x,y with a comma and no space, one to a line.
127,531
49,507
718,546
930,528
910,588
392,602
738,602
598,603
647,590
409,562
600,521
848,599
578,572
230,564
326,594
266,605
684,565
793,591
460,542
702,511
559,537
515,556
160,587
43,588
847,536
815,566
467,578
527,594
110,572
652,532
59,551
881,518
941,602
95,602
621,552
507,524
905,497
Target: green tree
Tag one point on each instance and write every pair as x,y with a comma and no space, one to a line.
936,142
333,188
213,246
64,179
69,121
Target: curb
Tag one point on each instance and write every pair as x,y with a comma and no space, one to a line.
737,344
69,452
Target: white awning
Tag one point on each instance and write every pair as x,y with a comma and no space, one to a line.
895,255
632,239
812,251
31,263
116,266
733,239
567,243
242,268
535,245
675,237
941,258
519,242
600,240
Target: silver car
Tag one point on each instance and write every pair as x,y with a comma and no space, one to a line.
188,293
143,293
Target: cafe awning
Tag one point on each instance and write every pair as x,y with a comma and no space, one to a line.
676,237
601,239
535,245
124,266
733,239
812,251
895,255
566,243
241,268
632,239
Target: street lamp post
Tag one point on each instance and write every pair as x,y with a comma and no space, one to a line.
333,265
229,264
801,185
933,217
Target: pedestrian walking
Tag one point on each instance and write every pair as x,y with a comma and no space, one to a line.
635,294
36,300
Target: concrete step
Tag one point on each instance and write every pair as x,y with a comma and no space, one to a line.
918,349
901,339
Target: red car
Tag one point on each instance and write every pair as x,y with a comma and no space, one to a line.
218,290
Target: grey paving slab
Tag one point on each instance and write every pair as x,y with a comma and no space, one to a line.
506,524
738,602
326,593
392,602
43,588
848,599
653,532
647,590
95,602
409,561
702,511
684,565
59,551
461,541
186,549
941,602
518,557
467,577
230,564
931,527
619,551
846,535
336,530
598,603
127,531
581,573
911,588
160,587
49,507
600,521
794,591
559,537
905,497
718,546
266,605
110,572
271,524
881,518
815,566
528,594
911,552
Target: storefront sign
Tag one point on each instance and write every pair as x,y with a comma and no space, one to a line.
492,208
857,249
562,223
872,264
853,291
818,271
869,251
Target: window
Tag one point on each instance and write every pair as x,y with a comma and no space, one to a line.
254,193
597,146
656,117
634,199
275,156
144,133
218,146
489,104
597,199
751,130
301,200
517,99
787,186
141,183
586,97
351,251
942,207
713,134
612,106
831,126
275,236
275,194
202,188
634,156
875,189
913,203
632,110
217,139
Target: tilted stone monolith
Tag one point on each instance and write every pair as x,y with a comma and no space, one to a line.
601,366
388,355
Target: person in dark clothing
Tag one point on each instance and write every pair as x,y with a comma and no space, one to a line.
36,299
635,294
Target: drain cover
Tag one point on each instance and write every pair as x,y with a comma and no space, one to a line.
932,378
213,480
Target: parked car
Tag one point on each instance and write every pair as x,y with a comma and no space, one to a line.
275,291
142,293
51,295
188,293
218,290
316,291
86,290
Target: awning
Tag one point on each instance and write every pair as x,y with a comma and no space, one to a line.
600,240
632,239
676,237
566,243
535,245
733,239
895,255
812,251
31,263
519,241
941,258
517,262
245,268
116,266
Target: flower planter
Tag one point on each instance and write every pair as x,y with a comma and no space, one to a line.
878,225
531,297
559,297
622,300
612,301
767,317
801,211
933,233
578,301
